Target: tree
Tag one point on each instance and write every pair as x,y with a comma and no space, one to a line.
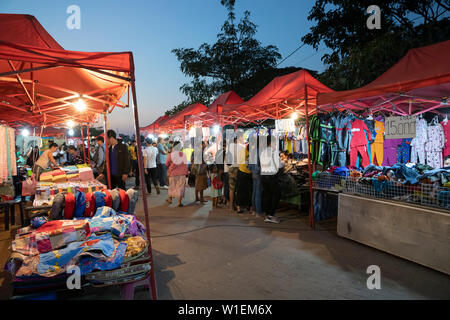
234,58
359,54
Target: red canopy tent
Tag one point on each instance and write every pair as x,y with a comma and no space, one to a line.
417,83
216,115
178,120
40,83
281,97
154,126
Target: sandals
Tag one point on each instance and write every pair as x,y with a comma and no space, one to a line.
169,202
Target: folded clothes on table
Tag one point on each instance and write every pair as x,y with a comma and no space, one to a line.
86,174
58,172
50,236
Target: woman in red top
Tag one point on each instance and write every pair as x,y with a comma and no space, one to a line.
177,172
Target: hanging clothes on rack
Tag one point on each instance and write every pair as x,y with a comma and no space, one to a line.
342,123
327,141
418,143
376,148
390,151
446,126
371,126
358,144
434,145
404,151
314,133
8,167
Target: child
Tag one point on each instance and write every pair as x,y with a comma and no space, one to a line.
216,186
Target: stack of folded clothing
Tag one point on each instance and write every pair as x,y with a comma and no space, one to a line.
46,177
59,176
73,177
70,169
86,174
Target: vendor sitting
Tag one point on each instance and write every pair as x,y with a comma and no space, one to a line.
75,156
45,160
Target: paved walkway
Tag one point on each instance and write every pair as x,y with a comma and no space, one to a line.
204,254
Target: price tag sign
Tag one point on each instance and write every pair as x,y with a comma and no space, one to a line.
400,127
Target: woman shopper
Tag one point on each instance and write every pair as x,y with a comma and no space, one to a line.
201,176
45,160
177,170
244,181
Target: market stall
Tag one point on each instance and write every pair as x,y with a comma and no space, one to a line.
391,145
44,85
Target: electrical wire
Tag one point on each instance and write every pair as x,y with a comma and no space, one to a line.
301,46
315,53
231,225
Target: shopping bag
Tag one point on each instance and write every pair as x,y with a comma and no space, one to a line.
29,186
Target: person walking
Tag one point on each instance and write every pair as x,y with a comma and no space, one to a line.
270,164
119,162
201,176
255,169
244,181
161,163
98,160
151,170
177,171
135,168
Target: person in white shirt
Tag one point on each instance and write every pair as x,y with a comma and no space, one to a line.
150,167
270,164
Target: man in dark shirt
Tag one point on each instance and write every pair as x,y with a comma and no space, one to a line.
75,156
119,162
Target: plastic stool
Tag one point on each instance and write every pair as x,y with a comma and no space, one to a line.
128,288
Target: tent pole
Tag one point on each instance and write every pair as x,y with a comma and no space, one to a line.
144,196
82,140
89,144
311,195
105,130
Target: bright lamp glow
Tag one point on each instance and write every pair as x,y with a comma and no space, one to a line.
70,123
163,135
71,133
294,116
80,105
216,129
150,136
25,132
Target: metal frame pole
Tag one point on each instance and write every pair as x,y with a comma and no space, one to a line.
311,195
89,144
144,196
105,130
82,141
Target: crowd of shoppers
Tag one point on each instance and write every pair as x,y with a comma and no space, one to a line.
227,171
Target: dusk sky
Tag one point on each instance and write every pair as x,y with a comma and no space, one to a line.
151,29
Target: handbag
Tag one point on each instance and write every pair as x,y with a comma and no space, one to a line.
217,184
29,186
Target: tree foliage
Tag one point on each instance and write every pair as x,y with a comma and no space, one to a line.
227,64
359,54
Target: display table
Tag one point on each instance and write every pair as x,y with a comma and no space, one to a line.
411,232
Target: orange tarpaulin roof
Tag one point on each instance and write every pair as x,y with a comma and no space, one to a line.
422,72
154,126
281,97
40,81
177,121
229,97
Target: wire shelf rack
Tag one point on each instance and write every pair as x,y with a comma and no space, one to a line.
429,195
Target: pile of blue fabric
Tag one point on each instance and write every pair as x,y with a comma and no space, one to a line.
103,250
